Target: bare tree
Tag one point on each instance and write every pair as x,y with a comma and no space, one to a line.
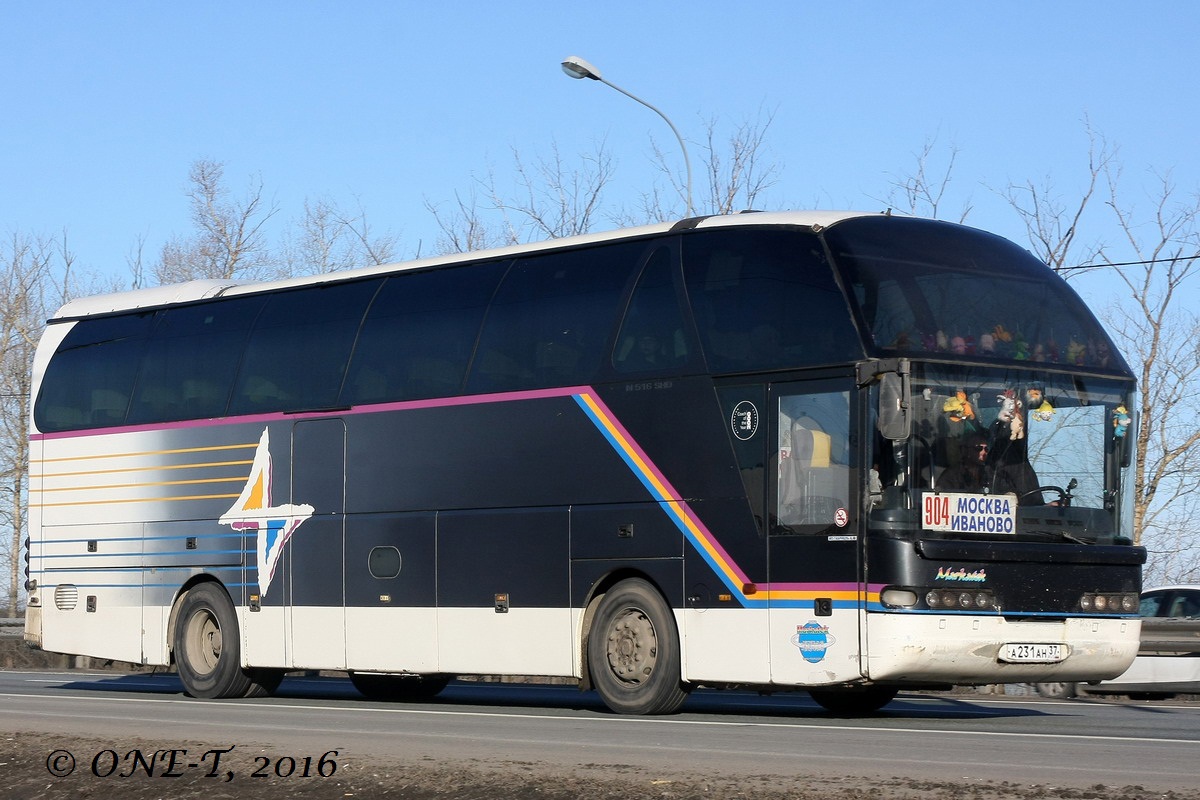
737,168
554,196
1052,224
548,199
466,228
1152,327
555,200
367,249
328,239
1172,555
230,239
1160,335
136,263
31,291
923,192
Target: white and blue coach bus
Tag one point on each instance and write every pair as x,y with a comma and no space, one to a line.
845,453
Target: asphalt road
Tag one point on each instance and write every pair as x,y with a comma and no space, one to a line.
962,739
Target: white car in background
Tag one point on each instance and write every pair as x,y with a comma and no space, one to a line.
1168,662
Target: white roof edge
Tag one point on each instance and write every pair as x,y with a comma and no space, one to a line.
802,218
201,289
143,298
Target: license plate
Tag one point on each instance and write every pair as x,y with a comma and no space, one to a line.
1042,653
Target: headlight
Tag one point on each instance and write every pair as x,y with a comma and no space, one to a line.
982,600
897,597
1126,603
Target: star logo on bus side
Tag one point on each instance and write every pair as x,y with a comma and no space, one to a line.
253,511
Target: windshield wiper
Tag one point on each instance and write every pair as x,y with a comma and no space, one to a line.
1059,535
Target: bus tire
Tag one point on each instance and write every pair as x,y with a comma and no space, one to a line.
633,651
852,702
398,688
207,648
1056,690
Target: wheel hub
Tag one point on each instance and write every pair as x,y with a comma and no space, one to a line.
204,642
632,647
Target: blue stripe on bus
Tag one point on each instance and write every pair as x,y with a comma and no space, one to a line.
672,506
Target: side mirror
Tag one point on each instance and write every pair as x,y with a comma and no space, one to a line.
894,420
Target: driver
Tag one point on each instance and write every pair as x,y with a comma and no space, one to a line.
979,470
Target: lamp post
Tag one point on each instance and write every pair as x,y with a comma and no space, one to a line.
576,67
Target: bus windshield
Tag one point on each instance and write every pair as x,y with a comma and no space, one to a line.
1056,447
933,288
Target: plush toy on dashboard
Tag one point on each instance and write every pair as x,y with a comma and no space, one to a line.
1076,353
998,341
958,407
1040,408
1121,420
1020,348
1010,413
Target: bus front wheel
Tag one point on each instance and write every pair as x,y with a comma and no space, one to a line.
633,651
208,648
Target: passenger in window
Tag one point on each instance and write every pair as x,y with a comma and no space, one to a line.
648,353
875,486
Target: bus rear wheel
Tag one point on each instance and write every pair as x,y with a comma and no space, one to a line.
633,651
207,648
866,700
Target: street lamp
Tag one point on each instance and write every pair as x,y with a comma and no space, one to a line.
576,67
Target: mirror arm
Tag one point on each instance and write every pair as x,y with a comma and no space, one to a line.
869,371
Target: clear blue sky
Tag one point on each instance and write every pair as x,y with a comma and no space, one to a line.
103,106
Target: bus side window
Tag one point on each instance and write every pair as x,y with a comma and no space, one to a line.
652,337
766,299
297,353
90,378
551,321
189,366
419,333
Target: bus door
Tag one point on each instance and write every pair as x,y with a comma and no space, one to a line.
314,588
812,539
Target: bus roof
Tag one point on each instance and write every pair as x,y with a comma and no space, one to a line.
192,291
